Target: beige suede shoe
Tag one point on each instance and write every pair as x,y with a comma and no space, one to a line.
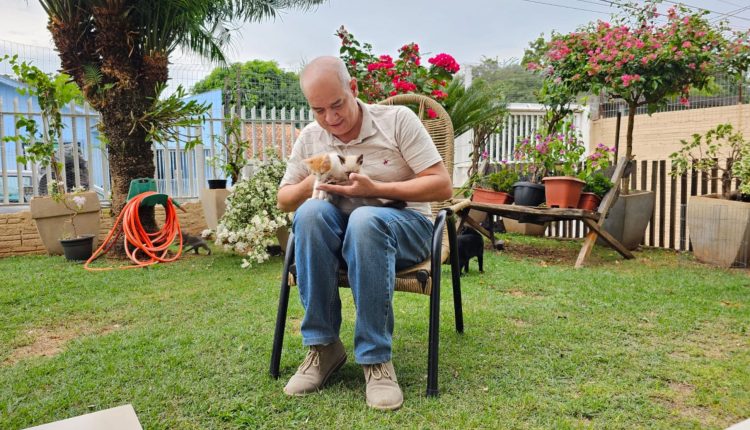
320,363
382,390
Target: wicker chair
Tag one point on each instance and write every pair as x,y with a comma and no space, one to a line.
423,278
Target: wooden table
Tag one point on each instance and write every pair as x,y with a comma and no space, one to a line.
593,220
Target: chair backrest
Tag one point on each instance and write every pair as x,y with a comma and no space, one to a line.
440,129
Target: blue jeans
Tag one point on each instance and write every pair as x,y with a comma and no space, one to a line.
373,243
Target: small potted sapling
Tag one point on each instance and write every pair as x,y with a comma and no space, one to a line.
719,224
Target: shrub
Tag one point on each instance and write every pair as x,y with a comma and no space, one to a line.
251,219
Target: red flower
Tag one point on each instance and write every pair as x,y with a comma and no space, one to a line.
431,113
445,61
439,95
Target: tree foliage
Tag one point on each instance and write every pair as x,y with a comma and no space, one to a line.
518,84
259,83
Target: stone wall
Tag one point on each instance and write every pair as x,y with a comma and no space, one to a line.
18,234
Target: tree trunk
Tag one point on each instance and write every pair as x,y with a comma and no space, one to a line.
130,157
629,145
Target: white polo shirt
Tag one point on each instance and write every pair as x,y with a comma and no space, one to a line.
393,142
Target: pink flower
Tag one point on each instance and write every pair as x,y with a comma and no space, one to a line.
686,44
628,79
431,113
684,101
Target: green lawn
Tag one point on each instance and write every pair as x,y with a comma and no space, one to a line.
656,342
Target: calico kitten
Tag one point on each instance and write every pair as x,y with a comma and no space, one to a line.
332,168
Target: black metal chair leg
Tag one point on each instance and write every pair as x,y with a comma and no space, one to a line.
278,335
434,336
456,276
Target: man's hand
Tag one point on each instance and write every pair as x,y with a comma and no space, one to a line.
358,186
431,184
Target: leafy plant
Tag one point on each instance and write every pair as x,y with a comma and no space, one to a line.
501,180
600,159
598,183
53,93
704,151
233,155
74,202
167,116
552,154
251,219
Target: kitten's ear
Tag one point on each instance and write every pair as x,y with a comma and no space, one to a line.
342,160
360,159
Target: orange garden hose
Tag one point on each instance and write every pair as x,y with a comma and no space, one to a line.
155,245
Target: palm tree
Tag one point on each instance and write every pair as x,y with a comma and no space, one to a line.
480,108
117,52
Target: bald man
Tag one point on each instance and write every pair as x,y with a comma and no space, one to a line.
372,243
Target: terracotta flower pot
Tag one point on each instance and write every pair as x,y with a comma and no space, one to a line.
562,191
589,201
483,195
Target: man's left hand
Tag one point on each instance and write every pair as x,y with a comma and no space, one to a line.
359,186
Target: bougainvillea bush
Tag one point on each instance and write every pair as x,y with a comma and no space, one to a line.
379,77
642,56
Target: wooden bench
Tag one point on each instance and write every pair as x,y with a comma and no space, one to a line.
538,215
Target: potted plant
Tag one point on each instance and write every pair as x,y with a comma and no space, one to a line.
562,153
530,154
719,224
52,214
252,222
495,187
597,185
597,182
230,161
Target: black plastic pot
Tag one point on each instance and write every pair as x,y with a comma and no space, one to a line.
528,194
217,184
78,249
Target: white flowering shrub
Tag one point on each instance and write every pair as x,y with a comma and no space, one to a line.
251,219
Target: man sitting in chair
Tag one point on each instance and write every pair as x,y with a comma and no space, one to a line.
372,242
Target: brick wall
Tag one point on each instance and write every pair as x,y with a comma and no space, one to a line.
18,234
655,137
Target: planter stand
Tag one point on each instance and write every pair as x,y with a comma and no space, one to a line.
593,220
214,205
51,220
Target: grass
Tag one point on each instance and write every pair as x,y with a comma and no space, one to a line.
656,342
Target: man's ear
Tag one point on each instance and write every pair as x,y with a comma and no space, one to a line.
353,87
360,159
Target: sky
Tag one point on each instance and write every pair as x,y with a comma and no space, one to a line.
470,30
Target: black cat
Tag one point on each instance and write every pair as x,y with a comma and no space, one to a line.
470,244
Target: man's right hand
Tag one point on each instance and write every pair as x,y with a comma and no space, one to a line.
291,196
